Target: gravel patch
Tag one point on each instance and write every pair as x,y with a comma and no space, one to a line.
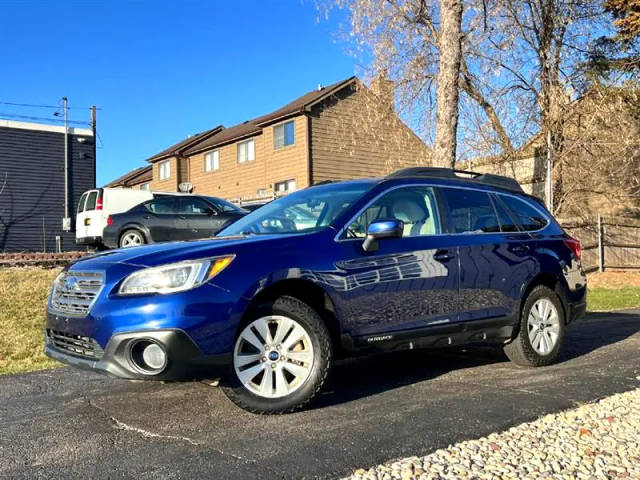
594,441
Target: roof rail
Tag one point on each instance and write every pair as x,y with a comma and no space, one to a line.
499,181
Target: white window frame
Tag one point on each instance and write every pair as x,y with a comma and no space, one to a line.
146,186
212,161
162,166
249,149
289,186
284,138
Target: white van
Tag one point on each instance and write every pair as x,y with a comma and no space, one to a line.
95,206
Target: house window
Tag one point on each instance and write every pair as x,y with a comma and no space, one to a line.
283,135
145,186
246,151
164,169
211,161
285,187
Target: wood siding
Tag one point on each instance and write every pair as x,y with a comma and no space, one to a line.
242,181
354,135
32,187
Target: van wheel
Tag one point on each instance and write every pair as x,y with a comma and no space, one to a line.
131,238
541,332
281,358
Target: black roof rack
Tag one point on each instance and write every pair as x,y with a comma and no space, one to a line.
499,181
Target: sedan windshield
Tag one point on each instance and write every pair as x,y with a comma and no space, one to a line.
303,211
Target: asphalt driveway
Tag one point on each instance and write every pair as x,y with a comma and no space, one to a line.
68,423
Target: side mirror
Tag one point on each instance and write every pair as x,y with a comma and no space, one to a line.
388,228
212,212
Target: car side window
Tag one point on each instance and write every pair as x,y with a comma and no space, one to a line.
162,205
468,211
506,219
415,206
193,206
530,219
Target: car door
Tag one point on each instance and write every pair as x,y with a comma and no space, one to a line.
409,282
161,219
202,220
490,262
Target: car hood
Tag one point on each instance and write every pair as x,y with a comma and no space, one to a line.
163,253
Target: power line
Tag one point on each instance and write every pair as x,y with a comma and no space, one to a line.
13,104
45,119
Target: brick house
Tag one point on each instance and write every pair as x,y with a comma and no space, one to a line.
342,131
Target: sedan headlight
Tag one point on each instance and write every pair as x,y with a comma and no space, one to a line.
175,277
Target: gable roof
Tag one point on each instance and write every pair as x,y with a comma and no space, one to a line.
252,127
179,147
139,175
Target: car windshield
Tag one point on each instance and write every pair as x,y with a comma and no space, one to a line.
303,211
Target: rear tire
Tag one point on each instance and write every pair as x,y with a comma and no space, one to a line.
131,238
541,330
284,371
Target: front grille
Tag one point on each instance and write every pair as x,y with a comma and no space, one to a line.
85,347
74,292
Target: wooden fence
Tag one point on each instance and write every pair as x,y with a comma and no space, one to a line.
611,243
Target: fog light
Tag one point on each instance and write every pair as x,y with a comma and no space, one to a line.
149,357
154,356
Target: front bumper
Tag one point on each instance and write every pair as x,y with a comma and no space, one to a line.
184,359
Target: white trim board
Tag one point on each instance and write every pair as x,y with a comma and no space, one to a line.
45,128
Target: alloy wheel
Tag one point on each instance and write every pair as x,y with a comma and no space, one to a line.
273,356
131,239
543,324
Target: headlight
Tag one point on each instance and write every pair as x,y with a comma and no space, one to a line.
175,277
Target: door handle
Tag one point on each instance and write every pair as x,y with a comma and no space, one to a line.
182,217
442,256
146,217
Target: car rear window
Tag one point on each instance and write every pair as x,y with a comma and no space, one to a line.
91,200
83,199
529,218
468,211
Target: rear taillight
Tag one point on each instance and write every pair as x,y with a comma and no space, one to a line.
109,221
574,246
99,204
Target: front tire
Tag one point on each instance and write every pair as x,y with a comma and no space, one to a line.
281,358
541,330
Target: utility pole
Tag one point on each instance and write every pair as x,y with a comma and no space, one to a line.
549,179
66,221
95,140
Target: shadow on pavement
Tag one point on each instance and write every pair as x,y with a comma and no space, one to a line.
356,378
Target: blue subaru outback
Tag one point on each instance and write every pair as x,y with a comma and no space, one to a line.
425,257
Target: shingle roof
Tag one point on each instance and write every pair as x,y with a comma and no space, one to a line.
139,175
251,127
179,147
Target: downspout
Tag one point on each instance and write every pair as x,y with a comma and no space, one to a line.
66,223
309,156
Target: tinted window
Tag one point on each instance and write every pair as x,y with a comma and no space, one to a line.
91,200
193,206
223,205
162,205
83,198
469,211
415,206
529,218
507,222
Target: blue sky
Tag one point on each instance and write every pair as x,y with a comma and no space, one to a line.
162,70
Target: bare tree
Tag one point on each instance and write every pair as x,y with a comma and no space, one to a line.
447,96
